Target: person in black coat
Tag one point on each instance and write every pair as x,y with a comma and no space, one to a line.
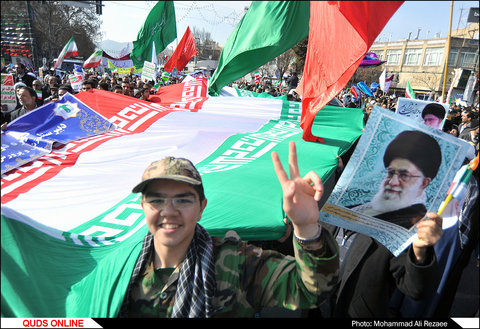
21,75
369,273
293,81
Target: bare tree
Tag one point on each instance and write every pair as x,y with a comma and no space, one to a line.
428,80
300,50
206,47
54,23
284,61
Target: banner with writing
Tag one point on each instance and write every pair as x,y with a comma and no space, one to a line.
33,134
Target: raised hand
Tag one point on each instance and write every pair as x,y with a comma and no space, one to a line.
300,195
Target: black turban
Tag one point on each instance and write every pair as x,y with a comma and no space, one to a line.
417,147
434,108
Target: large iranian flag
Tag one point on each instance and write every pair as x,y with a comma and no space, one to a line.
71,228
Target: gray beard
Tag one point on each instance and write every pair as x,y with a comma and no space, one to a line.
384,202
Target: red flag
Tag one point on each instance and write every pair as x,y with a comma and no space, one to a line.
185,51
340,34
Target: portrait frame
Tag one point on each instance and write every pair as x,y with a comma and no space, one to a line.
361,178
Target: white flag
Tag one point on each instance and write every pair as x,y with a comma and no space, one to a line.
154,54
381,80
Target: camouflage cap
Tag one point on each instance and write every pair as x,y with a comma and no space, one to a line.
172,168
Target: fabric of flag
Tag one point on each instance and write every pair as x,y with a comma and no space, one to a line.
154,55
456,77
362,86
94,59
340,34
460,189
34,134
355,92
71,228
159,27
39,94
256,77
165,76
70,50
236,92
409,91
384,81
267,30
121,62
183,53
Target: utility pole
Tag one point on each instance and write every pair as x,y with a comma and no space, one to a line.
448,50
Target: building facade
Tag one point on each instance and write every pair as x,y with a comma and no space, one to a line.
422,64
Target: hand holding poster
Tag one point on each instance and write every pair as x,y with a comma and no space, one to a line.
400,170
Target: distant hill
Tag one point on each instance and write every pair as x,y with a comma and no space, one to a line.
114,48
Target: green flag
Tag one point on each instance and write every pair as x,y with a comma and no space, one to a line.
159,27
268,29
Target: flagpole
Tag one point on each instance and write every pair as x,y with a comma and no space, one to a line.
448,49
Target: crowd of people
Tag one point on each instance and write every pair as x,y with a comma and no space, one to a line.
32,91
210,283
461,121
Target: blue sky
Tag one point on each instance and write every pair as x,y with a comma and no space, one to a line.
430,16
123,19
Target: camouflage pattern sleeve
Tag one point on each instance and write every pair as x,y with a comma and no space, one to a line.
318,268
249,278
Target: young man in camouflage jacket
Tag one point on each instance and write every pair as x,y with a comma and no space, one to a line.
183,272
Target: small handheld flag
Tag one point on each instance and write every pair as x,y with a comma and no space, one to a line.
70,50
409,91
94,59
460,189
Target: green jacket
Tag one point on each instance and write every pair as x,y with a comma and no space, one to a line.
248,279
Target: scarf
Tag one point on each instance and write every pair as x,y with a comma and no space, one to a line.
196,281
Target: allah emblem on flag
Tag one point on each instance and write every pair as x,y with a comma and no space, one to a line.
66,110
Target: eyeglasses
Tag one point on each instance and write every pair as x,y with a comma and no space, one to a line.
179,203
401,174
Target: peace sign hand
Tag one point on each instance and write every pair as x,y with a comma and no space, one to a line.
300,195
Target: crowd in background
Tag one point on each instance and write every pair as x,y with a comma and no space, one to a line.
460,119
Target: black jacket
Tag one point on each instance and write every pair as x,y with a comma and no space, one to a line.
26,79
370,273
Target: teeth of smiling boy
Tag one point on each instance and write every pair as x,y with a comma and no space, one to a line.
170,226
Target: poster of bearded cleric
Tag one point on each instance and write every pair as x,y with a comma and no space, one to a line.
400,169
432,114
